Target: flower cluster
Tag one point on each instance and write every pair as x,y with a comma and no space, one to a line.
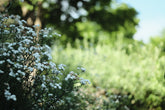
25,65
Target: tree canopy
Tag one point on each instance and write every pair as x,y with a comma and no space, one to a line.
64,14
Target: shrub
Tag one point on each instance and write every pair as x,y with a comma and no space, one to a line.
28,77
133,69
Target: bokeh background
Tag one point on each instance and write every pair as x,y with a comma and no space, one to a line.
120,43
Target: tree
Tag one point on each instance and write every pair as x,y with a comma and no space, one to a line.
159,41
64,14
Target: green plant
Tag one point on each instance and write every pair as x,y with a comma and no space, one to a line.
121,68
28,77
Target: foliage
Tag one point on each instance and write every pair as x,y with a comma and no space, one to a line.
65,14
136,69
28,77
159,41
125,74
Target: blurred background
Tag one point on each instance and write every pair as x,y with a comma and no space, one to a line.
121,43
151,15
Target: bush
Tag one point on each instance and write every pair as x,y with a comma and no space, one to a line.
28,77
133,69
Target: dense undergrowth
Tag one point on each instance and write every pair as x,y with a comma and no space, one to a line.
134,70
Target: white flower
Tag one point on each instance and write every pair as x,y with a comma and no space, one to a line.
82,69
14,51
23,20
21,49
6,32
6,54
1,71
9,61
30,69
43,85
22,73
13,97
72,72
45,35
36,55
18,30
37,25
39,100
2,61
52,65
70,76
44,78
9,96
117,101
7,93
56,71
59,35
18,79
51,84
11,73
26,41
58,85
32,48
17,65
39,66
12,25
47,48
34,34
47,54
50,94
61,67
84,81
